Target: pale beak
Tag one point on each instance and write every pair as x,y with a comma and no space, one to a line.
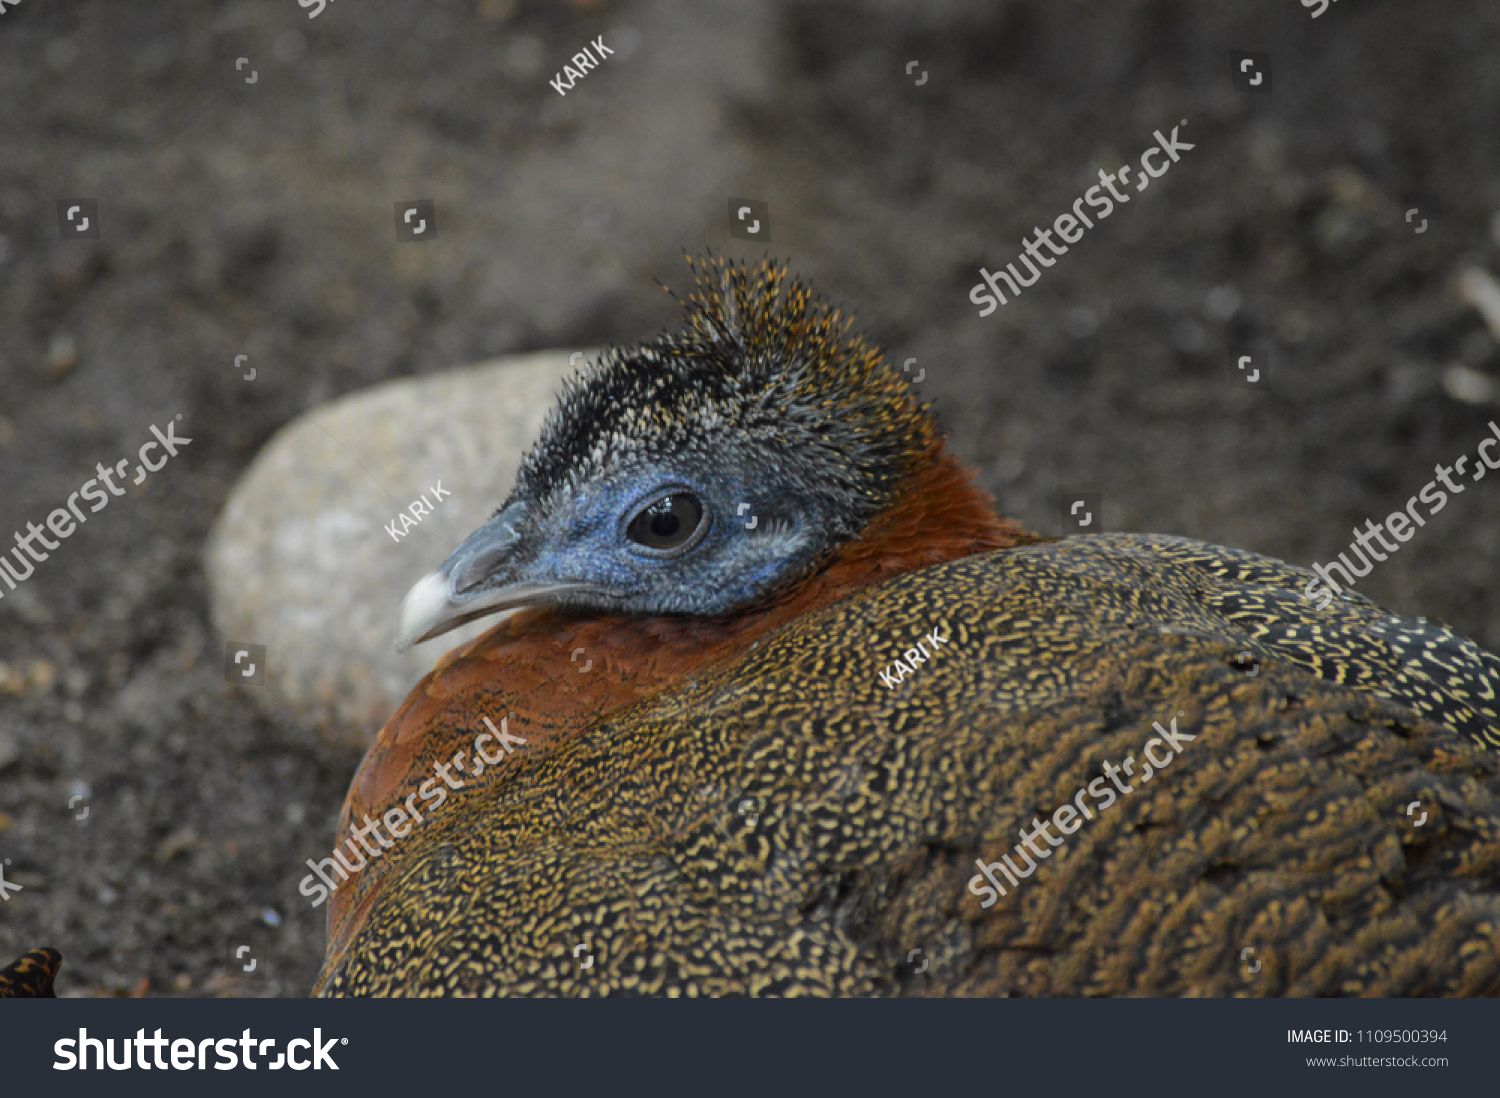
455,594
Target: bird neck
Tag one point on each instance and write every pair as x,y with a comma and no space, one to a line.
939,514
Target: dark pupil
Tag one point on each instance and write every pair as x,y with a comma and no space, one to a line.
668,522
663,522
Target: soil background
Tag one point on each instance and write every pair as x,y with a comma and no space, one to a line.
257,218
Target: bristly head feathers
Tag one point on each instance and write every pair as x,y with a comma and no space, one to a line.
766,362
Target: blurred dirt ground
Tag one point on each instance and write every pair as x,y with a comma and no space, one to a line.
240,218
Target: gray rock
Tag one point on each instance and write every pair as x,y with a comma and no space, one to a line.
310,557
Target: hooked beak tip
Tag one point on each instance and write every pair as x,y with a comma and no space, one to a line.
426,607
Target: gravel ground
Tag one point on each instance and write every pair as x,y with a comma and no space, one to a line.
257,218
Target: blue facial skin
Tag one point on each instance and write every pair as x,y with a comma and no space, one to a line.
581,536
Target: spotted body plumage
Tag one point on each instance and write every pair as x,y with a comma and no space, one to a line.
735,803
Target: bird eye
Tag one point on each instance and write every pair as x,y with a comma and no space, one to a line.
669,523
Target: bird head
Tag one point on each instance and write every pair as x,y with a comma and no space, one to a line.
701,473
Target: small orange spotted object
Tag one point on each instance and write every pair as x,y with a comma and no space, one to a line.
31,975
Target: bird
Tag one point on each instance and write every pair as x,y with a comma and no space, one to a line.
773,688
30,976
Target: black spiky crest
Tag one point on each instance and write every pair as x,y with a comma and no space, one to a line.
759,362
